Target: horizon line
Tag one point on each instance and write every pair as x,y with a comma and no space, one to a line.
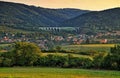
58,7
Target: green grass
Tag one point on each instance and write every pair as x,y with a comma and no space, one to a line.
4,45
88,47
85,50
65,54
35,72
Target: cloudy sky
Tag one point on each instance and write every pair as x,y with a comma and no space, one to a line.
81,4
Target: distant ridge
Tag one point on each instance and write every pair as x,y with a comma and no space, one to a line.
20,15
105,18
17,14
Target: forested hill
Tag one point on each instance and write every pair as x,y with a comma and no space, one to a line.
106,18
15,14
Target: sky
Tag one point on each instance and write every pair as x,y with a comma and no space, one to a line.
80,4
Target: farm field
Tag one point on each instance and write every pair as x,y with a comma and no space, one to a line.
31,72
88,47
65,54
4,45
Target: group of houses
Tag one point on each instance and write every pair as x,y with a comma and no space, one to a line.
69,39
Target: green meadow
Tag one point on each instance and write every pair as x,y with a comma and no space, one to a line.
39,72
88,47
45,72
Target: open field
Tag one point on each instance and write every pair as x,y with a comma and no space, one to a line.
4,45
65,54
89,47
27,72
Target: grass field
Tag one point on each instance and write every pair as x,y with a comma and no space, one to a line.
4,45
65,54
89,47
27,72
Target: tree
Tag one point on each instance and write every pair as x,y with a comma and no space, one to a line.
116,50
87,41
25,53
1,60
58,48
7,62
112,60
98,60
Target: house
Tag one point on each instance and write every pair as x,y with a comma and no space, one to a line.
103,41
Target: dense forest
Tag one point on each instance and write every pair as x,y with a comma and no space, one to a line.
19,16
100,19
15,14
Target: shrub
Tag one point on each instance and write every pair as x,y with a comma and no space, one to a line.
7,62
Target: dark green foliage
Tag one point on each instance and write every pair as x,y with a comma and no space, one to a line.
52,61
116,50
23,54
87,41
28,54
20,15
98,60
77,62
64,61
7,62
112,60
58,48
1,61
107,19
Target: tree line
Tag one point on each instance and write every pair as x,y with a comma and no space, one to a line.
29,54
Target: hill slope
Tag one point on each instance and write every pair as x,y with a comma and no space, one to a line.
106,18
15,14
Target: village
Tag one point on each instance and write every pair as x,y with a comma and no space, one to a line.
43,41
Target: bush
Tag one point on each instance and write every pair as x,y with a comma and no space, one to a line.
78,62
1,61
111,62
115,50
7,62
28,54
52,61
23,54
98,60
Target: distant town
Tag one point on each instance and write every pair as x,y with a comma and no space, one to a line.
60,39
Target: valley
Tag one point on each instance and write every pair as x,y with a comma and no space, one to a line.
58,43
